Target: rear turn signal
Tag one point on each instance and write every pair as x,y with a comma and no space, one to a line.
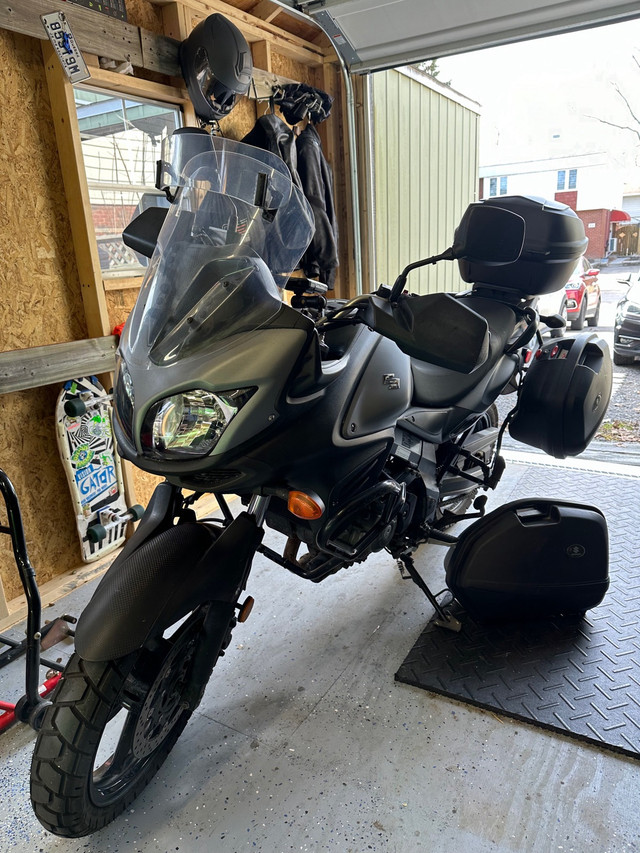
304,506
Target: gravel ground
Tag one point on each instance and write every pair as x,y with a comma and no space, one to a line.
621,426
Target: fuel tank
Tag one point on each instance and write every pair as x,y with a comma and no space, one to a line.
383,392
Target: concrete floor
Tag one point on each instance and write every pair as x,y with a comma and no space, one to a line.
304,742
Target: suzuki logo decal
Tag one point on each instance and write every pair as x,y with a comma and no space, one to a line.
391,381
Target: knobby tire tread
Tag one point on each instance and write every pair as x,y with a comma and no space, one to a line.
67,743
59,773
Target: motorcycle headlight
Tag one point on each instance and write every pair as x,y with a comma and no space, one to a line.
190,424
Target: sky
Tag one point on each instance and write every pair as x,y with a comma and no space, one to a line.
544,97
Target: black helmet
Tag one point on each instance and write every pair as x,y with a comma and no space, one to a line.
216,65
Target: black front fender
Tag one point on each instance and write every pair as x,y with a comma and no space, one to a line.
148,589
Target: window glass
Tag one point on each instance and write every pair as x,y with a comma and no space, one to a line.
561,179
573,176
121,139
503,186
493,186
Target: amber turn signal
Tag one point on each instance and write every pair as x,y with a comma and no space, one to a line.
304,506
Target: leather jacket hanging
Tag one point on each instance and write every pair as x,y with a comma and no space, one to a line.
321,258
271,133
308,166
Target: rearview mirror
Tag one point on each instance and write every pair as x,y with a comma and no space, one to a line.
488,234
141,234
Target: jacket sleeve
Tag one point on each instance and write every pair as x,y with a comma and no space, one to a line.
321,258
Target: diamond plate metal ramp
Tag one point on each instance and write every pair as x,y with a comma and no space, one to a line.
578,676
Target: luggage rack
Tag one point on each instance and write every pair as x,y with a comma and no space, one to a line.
30,707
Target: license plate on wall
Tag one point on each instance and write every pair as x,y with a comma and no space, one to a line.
64,43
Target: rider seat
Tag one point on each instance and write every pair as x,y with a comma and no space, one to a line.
436,387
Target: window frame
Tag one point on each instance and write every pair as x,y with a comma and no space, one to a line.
132,275
63,109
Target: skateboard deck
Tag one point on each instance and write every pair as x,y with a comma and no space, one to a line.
93,467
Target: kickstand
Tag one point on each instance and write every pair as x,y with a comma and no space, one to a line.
444,619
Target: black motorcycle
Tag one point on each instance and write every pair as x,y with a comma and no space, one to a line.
349,427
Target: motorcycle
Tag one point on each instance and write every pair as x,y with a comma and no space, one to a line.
349,427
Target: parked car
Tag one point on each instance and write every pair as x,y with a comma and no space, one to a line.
626,331
579,301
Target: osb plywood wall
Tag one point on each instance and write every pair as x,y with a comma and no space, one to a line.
41,301
40,304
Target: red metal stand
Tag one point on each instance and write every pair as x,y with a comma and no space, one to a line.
28,708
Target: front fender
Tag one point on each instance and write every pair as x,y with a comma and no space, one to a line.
147,590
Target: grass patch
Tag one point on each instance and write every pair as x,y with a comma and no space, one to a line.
618,431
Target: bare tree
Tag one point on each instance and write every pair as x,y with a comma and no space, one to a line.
635,130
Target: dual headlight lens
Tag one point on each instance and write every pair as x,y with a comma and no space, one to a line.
190,424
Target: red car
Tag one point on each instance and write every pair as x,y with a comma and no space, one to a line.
580,300
582,296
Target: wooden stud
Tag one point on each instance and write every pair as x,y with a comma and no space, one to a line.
98,34
261,53
266,10
176,22
159,53
75,184
52,364
65,121
126,84
255,29
128,283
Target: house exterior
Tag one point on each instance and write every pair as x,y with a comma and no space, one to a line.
591,184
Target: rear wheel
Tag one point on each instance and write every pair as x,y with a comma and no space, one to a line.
110,728
459,504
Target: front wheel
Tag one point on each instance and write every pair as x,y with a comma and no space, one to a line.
110,727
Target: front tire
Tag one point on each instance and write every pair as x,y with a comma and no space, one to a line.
109,729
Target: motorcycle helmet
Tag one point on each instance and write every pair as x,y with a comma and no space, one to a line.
216,65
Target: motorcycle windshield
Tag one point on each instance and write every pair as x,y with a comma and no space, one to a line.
236,231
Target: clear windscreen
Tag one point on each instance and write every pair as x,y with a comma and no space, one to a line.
236,231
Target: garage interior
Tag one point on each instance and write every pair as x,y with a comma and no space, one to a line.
304,739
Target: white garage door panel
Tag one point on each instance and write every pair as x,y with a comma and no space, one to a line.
388,33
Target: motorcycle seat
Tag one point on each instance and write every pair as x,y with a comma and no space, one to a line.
437,387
